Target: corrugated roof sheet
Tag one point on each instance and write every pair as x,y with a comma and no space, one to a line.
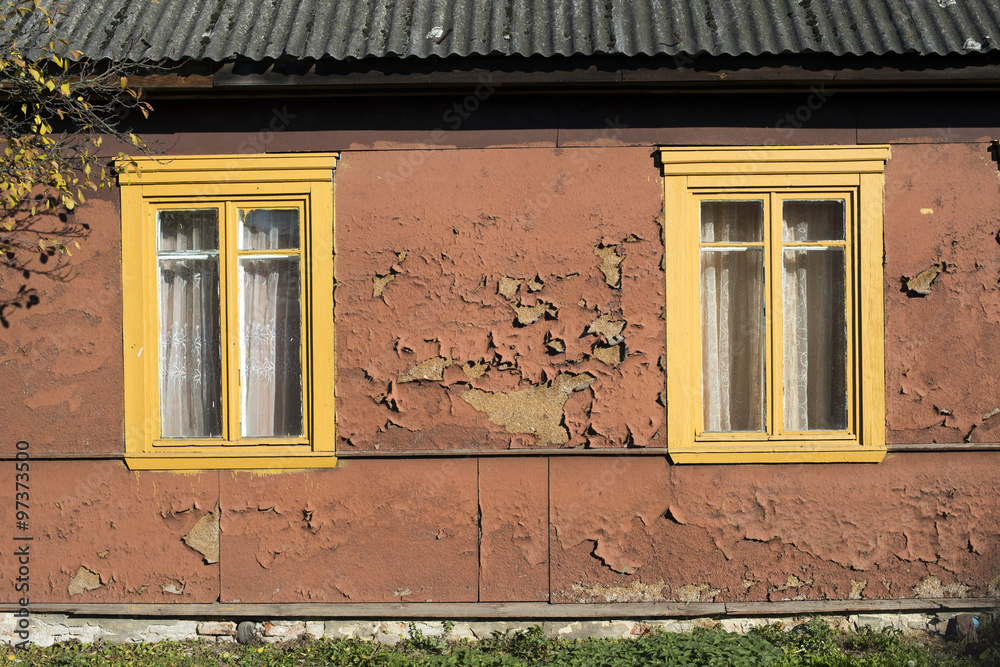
343,29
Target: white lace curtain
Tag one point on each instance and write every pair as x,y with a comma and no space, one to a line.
814,364
732,298
814,318
271,364
190,345
269,296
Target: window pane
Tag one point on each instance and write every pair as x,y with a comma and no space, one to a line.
815,339
188,230
271,368
813,220
269,228
190,349
732,221
732,325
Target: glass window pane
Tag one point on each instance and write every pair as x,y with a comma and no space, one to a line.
190,349
813,220
732,221
269,228
732,325
186,230
271,341
815,339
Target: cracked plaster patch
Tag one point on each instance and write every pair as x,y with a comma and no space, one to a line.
931,587
204,537
531,314
174,588
611,263
921,283
793,582
637,591
605,326
697,593
475,369
611,355
537,410
84,580
507,287
380,283
431,369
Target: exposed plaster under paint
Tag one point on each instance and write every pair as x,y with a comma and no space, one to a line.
537,410
83,580
920,284
941,231
916,525
909,529
475,314
204,537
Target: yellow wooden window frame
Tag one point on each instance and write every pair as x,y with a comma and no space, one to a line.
302,181
852,173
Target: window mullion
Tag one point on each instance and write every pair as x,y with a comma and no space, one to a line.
305,339
151,299
774,325
852,299
233,331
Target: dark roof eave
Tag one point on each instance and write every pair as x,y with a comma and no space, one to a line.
418,76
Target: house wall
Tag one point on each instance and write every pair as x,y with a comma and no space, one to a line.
499,303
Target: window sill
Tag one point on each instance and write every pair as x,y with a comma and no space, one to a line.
229,460
812,452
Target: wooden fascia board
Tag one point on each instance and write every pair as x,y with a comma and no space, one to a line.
421,77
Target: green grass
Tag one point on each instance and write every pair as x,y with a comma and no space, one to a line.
813,644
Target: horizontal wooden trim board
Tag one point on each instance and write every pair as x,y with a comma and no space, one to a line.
629,451
584,74
513,610
945,447
484,453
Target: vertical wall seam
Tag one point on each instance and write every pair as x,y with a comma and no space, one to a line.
479,538
218,503
548,522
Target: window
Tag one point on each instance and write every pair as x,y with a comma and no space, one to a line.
774,308
227,268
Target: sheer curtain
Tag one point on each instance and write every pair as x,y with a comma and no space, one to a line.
814,314
732,311
190,354
271,325
814,321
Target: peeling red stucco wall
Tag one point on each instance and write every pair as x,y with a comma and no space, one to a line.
642,530
125,529
942,204
509,295
485,300
61,359
369,531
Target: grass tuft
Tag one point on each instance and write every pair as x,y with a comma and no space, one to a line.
812,644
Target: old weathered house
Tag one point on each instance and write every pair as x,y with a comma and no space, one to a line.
440,309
